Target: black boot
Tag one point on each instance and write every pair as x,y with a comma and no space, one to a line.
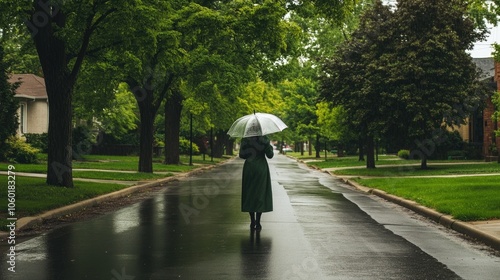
258,226
252,220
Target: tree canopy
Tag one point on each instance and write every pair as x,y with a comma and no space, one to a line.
406,72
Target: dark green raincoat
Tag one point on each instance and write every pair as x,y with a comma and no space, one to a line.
256,194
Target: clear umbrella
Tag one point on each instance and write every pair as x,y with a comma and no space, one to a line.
256,124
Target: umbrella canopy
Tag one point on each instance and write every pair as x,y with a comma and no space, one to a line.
256,124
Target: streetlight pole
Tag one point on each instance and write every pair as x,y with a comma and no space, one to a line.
191,139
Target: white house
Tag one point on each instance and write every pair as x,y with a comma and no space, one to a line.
33,109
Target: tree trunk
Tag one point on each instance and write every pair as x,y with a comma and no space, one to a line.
59,83
173,110
370,153
229,147
310,147
340,150
146,140
361,150
59,165
423,162
147,113
218,149
318,146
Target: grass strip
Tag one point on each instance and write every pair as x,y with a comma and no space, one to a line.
34,196
435,169
334,161
121,163
465,198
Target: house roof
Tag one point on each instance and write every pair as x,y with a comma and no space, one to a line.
486,65
32,86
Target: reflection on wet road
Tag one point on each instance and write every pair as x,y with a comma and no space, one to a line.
319,229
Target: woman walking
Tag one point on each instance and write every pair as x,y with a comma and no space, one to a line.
256,195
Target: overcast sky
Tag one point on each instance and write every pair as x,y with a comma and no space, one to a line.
484,49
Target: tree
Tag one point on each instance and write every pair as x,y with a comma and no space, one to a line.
431,72
406,73
324,25
332,124
163,65
300,98
227,45
355,79
8,105
64,34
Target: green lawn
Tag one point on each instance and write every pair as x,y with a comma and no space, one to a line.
433,169
34,196
465,198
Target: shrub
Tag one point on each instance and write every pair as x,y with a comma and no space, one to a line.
38,140
404,154
18,151
446,142
184,147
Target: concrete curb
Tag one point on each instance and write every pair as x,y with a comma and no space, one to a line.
445,220
30,222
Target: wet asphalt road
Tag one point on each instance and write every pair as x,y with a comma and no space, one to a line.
319,229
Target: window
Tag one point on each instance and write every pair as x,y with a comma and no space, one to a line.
23,113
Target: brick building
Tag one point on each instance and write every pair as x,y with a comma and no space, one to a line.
491,142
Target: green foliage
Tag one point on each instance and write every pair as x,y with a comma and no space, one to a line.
336,12
18,151
300,98
120,118
495,98
484,12
436,78
261,97
404,154
184,147
96,92
38,140
8,105
331,121
354,77
405,71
